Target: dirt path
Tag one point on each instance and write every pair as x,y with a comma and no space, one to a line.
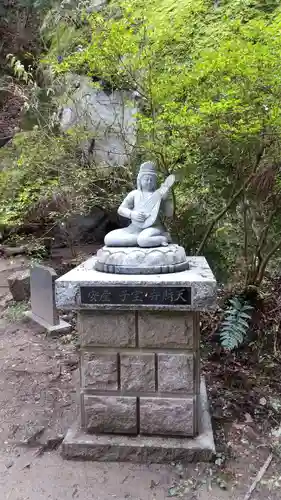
38,381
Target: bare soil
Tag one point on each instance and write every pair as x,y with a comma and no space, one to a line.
39,378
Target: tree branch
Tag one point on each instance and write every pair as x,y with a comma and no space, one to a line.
230,202
265,232
245,223
266,260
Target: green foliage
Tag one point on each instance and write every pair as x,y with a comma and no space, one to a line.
208,79
207,74
63,28
15,311
235,324
19,69
36,4
45,178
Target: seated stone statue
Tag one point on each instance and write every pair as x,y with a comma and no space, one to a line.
144,207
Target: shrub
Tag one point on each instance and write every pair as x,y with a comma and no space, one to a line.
44,177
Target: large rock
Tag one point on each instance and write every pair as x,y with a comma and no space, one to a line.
96,5
80,228
108,119
19,284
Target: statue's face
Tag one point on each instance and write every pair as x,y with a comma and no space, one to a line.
148,182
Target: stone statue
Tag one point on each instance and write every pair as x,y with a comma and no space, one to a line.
144,247
144,207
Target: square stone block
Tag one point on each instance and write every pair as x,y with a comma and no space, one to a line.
165,329
175,372
138,372
107,328
99,371
169,416
110,414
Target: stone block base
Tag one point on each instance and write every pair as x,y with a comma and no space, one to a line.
141,449
63,327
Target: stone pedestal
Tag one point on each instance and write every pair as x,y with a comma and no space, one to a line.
136,260
141,398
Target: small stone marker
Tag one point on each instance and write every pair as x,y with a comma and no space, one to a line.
43,307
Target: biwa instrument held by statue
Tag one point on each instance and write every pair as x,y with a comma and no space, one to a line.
151,206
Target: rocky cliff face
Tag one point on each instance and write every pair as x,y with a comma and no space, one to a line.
108,118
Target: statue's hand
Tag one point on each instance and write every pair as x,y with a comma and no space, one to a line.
138,216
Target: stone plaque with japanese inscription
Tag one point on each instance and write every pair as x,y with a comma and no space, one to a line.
119,295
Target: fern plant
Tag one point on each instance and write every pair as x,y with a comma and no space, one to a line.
235,324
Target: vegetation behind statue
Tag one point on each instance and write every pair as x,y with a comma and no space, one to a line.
209,107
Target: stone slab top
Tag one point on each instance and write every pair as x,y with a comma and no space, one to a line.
199,279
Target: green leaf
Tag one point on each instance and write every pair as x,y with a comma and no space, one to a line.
234,327
245,315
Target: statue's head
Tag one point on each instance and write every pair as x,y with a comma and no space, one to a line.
146,180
